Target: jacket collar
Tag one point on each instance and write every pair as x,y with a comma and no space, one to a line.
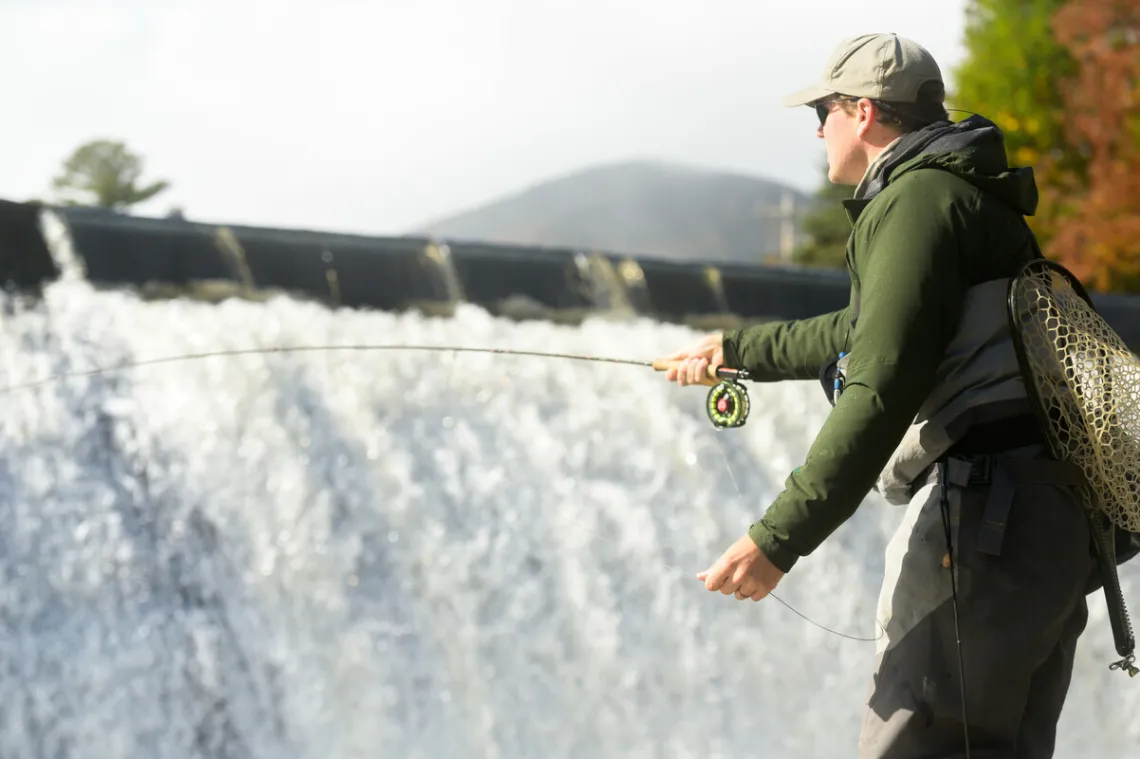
875,167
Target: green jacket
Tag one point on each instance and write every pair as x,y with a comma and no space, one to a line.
938,214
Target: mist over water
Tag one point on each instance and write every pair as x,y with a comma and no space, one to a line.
413,554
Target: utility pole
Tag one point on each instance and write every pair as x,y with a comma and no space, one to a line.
785,214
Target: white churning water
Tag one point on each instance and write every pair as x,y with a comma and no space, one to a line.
398,554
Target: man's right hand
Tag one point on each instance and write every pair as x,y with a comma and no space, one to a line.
694,361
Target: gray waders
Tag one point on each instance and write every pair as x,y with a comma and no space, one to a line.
1001,611
984,595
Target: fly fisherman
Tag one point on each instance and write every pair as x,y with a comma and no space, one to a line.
930,410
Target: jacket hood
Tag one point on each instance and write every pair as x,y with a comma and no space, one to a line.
973,149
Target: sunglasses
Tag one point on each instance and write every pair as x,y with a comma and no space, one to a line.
823,108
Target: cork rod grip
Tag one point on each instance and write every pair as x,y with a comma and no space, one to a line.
663,365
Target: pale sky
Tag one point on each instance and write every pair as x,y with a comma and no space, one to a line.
374,116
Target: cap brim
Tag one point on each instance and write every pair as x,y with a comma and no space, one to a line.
806,96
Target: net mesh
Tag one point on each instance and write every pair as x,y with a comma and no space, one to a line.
1088,383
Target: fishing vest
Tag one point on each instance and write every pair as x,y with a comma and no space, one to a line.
979,380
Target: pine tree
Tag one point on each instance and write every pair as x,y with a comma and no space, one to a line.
104,173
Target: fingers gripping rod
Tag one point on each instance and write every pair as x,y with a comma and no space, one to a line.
727,404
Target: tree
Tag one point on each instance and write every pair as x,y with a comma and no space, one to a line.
1100,238
106,174
1011,74
827,228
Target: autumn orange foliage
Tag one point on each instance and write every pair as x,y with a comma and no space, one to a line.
1098,234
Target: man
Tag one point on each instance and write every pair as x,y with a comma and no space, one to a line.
930,410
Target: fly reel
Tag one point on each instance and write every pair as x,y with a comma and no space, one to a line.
727,404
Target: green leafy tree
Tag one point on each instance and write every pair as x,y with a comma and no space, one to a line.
1012,74
104,173
826,227
1100,237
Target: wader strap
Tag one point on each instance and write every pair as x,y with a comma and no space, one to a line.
1003,475
996,514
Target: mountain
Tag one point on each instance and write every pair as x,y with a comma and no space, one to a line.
642,208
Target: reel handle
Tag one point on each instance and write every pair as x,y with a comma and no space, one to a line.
713,376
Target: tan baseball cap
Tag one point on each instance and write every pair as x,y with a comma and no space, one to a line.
878,66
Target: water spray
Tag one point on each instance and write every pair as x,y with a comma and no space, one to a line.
727,404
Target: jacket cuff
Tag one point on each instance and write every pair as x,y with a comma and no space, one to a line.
730,344
781,557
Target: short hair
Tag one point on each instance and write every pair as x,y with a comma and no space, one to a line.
909,117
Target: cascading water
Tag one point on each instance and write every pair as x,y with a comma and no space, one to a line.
393,554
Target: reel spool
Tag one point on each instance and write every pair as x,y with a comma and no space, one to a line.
727,405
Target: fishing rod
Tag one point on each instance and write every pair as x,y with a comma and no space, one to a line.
727,403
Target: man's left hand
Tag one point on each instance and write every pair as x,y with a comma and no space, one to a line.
742,571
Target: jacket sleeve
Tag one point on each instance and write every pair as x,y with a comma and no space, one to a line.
787,350
912,289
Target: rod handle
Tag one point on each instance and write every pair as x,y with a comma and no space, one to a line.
714,374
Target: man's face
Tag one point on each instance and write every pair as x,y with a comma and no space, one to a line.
841,133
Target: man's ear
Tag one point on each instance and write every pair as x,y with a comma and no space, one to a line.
865,115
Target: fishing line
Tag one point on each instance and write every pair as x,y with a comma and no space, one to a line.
227,353
689,574
739,493
727,404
